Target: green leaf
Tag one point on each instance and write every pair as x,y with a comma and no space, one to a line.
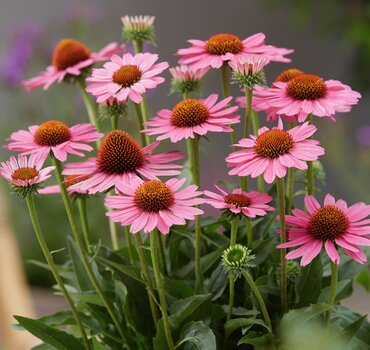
197,336
54,337
308,286
217,282
236,323
131,271
262,250
363,279
260,342
43,346
59,318
306,314
350,331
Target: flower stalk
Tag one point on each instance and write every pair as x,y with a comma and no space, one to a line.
81,204
333,289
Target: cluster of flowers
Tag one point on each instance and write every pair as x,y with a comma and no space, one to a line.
143,201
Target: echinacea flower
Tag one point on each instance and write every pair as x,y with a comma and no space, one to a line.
249,204
68,181
259,102
185,79
191,116
152,204
120,159
56,137
220,48
126,77
306,94
333,225
138,28
25,174
275,150
70,58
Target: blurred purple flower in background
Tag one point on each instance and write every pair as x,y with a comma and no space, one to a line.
21,48
363,135
91,13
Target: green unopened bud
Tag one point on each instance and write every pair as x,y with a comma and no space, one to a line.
138,28
249,80
236,260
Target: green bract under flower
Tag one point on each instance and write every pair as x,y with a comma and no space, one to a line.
236,260
185,88
25,191
114,110
138,28
249,80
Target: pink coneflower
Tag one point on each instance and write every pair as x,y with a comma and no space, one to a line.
23,172
70,57
68,181
120,159
126,77
220,48
333,225
191,116
306,94
56,137
250,204
154,204
187,74
275,150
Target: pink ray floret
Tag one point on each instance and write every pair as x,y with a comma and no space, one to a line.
331,226
249,204
192,117
147,205
126,78
23,172
275,150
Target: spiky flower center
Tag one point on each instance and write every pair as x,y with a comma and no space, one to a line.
328,222
119,153
240,200
52,133
189,112
127,75
223,43
273,144
25,174
288,75
69,52
70,180
306,87
153,196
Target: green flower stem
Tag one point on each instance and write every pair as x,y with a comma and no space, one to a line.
162,259
249,232
283,274
36,225
138,46
148,280
193,155
258,295
160,287
91,107
310,175
84,257
233,238
290,190
256,126
81,204
130,248
140,119
333,290
248,111
225,74
114,122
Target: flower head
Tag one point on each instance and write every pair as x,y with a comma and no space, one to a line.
248,70
222,47
185,79
154,204
305,94
138,28
70,59
191,116
333,225
56,137
25,174
126,77
120,159
275,150
237,259
249,204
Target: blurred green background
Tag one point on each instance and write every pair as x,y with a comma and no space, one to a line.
331,39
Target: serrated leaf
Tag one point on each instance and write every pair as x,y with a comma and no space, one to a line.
197,336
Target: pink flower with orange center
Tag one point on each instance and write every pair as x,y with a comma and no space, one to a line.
192,117
126,77
70,57
222,47
275,150
151,204
333,225
249,204
120,159
56,137
23,172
